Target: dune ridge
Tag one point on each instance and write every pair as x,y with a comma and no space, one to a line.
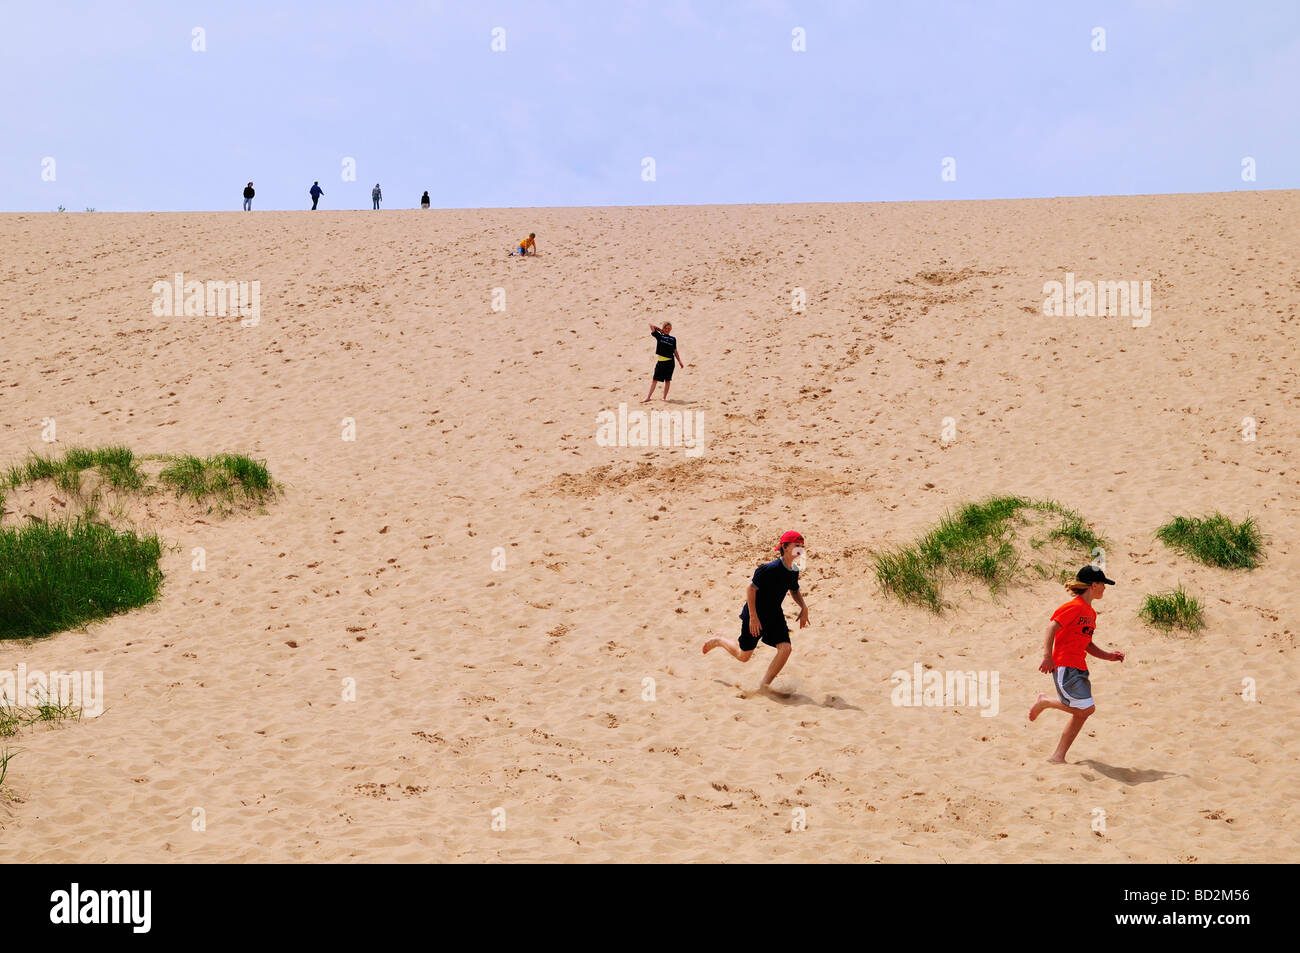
522,687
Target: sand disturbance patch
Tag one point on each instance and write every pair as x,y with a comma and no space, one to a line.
931,287
696,477
78,537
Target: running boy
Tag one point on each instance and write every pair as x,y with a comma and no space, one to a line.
665,353
1069,641
762,616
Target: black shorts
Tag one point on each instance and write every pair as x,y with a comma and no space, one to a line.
771,635
664,370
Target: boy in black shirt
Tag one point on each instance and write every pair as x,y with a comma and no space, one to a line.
762,616
665,354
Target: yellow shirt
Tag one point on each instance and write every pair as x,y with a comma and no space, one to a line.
526,243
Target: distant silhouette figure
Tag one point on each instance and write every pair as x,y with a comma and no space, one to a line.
316,193
424,199
248,197
376,195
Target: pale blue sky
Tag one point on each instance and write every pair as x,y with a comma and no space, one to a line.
136,120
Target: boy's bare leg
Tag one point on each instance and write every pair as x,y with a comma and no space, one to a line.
782,653
652,392
733,648
667,384
1045,702
1069,734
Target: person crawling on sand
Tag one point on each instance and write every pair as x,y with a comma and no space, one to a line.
762,617
1069,641
526,245
665,354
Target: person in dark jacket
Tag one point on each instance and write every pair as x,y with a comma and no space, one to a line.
665,354
376,195
316,193
248,197
424,199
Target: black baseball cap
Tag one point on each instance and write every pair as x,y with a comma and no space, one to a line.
1091,574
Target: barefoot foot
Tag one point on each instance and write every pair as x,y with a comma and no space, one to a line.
1038,707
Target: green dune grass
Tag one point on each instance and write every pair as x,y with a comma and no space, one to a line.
227,477
13,718
979,542
1173,610
57,576
118,465
1215,540
62,575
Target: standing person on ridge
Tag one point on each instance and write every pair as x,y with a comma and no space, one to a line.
248,197
424,199
376,195
316,193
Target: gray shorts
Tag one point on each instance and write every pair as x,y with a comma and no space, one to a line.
1073,687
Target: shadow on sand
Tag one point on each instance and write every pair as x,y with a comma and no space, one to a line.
791,698
1130,775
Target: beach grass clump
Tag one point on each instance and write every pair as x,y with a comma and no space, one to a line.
226,477
1215,540
119,466
64,574
1173,610
5,757
1075,531
58,576
12,718
978,541
905,573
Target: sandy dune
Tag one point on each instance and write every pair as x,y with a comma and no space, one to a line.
522,688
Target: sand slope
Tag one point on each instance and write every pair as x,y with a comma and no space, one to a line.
522,688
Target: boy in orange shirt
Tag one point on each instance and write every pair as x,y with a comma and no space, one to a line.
1069,641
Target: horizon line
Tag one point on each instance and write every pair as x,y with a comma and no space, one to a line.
509,208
